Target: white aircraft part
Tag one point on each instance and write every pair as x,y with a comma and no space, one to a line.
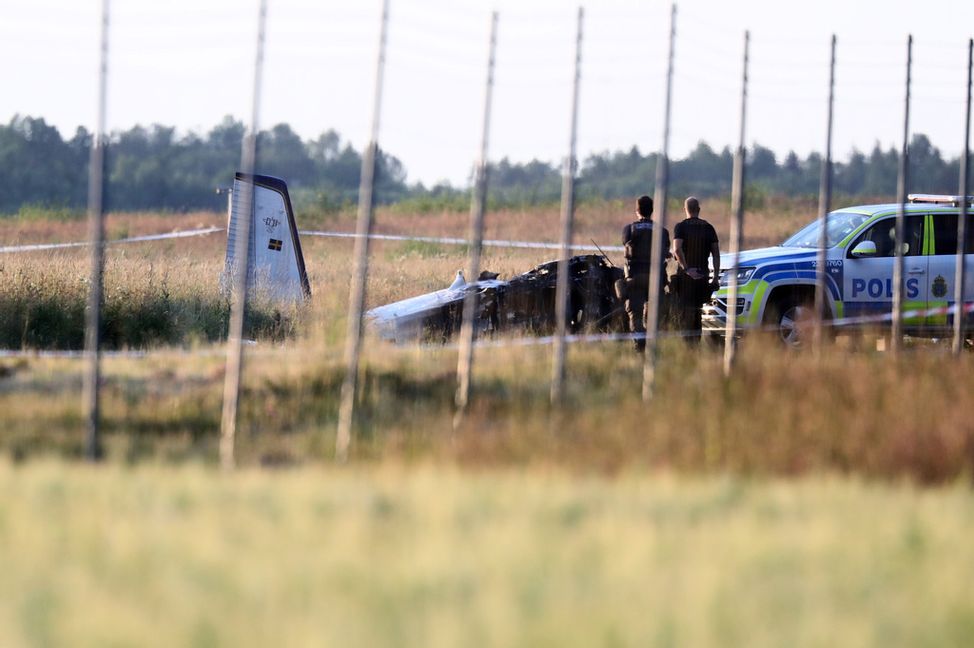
403,320
459,281
275,262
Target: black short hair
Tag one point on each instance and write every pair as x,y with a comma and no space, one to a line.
645,206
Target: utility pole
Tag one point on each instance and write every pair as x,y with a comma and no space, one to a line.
960,272
363,229
824,206
241,266
903,179
477,208
91,388
737,226
567,226
657,253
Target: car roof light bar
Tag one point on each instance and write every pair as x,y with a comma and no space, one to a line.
938,199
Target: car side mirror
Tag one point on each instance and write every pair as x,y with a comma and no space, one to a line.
863,249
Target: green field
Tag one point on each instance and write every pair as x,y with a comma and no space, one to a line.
440,557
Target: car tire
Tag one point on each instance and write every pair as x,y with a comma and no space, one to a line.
791,321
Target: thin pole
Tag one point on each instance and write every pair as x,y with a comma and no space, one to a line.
903,180
477,207
959,276
241,267
824,205
356,295
737,226
657,253
567,225
96,234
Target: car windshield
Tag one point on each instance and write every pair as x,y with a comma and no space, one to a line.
841,224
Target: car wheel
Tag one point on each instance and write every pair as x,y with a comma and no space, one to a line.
792,322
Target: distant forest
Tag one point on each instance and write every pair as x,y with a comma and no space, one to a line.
154,168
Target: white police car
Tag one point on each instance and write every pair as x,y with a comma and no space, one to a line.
776,285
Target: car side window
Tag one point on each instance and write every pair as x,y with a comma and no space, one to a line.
883,234
945,234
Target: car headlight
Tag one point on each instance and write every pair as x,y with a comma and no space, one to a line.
743,275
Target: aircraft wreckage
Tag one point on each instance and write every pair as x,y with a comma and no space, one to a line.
524,303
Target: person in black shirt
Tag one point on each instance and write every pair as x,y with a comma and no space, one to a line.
694,239
637,237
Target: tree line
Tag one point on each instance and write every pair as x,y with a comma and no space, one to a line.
156,168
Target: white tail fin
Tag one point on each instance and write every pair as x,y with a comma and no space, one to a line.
458,282
275,262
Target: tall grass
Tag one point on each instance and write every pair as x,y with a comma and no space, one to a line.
44,213
155,557
42,303
164,293
50,226
781,414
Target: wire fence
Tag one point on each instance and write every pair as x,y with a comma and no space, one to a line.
427,49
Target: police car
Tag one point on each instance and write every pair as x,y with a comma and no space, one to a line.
776,285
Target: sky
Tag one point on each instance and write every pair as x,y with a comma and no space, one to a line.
188,63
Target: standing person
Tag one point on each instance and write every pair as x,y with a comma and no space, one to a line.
637,237
694,239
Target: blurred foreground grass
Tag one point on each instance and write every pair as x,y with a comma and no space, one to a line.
432,557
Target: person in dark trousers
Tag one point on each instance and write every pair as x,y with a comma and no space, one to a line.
694,240
637,237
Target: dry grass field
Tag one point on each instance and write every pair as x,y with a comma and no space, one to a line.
166,292
805,501
783,414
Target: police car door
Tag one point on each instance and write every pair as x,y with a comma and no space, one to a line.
868,273
942,248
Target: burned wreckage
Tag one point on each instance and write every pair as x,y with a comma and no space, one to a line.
523,304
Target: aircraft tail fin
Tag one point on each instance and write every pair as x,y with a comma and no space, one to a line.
275,262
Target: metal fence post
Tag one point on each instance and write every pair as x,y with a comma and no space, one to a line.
824,205
96,235
737,226
657,255
903,179
962,232
477,207
356,295
241,267
567,226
